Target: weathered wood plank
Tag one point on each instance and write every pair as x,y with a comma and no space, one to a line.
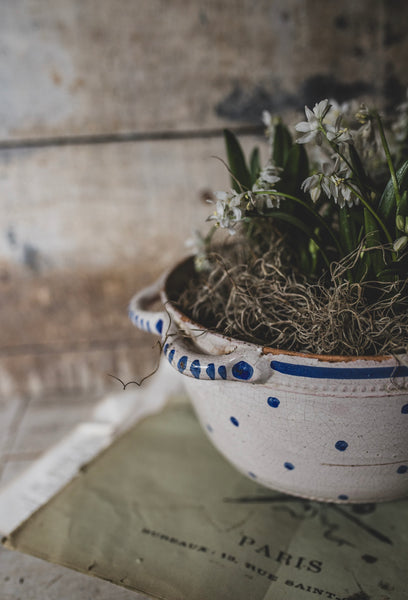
68,331
96,66
11,413
83,228
27,577
106,204
47,419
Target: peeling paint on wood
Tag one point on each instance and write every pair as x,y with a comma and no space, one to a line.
95,66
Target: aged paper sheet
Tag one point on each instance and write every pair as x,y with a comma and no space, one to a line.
161,512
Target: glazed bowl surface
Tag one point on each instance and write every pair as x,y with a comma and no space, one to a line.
327,428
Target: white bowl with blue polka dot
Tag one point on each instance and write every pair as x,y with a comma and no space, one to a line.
322,427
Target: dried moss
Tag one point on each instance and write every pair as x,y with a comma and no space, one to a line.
261,300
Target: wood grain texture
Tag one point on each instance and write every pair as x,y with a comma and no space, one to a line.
85,225
84,228
106,204
96,66
68,331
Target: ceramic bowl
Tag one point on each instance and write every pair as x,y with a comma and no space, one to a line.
329,428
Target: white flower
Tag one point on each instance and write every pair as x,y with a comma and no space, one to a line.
363,114
366,132
268,176
265,182
333,181
312,185
268,122
400,243
345,111
266,118
335,184
339,135
313,127
228,209
198,245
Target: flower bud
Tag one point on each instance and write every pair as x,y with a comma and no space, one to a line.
400,222
400,243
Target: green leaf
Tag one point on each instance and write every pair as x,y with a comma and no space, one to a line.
255,165
387,207
347,230
240,176
403,207
299,224
358,167
296,169
282,143
374,258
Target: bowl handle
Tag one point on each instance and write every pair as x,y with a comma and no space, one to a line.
238,365
242,364
156,322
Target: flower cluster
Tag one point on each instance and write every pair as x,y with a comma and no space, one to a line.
228,210
348,191
334,180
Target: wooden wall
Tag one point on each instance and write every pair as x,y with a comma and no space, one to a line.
110,115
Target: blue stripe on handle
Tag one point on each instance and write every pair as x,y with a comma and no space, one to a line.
339,372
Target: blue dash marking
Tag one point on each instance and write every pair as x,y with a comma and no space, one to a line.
182,363
210,370
339,372
195,369
222,371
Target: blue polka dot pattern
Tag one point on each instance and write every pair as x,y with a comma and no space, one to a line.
404,409
273,402
234,421
402,469
343,497
242,370
289,466
195,369
159,326
182,364
210,370
171,355
166,348
341,445
222,371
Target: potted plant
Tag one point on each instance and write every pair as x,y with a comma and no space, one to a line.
293,328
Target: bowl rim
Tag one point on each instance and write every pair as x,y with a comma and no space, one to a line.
187,262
